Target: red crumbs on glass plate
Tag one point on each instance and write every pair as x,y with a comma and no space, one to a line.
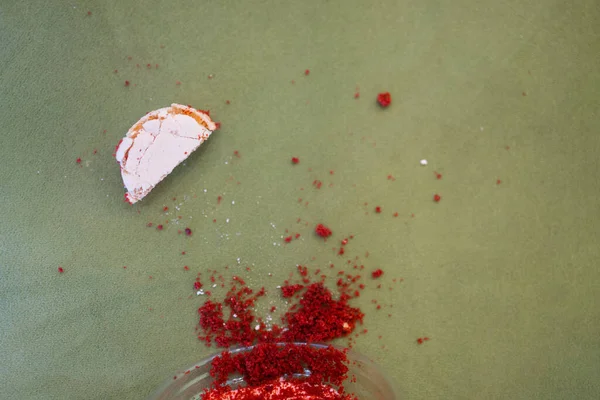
262,366
384,99
61,270
437,198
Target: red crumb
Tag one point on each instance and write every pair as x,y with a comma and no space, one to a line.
159,227
219,198
295,160
377,273
290,290
78,161
188,231
61,270
317,183
165,208
356,95
377,209
498,181
384,99
218,125
306,72
437,197
438,175
185,267
288,239
323,231
126,83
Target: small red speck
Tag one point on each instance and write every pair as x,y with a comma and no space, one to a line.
344,242
148,65
378,209
188,232
438,176
126,83
273,309
78,161
306,72
124,266
61,270
377,273
297,235
356,95
116,71
317,183
219,198
129,58
89,13
227,102
159,227
420,340
395,214
384,99
295,160
165,208
183,253
498,181
177,83
149,224
341,251
185,267
425,338
288,239
197,285
236,153
437,197
218,125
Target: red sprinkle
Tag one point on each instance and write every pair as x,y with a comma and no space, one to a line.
78,161
384,99
159,227
188,231
61,270
377,209
306,72
295,160
323,231
437,197
377,273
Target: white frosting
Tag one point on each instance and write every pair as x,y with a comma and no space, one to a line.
157,143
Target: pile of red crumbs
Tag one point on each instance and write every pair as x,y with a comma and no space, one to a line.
315,316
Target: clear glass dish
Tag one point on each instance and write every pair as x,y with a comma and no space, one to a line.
371,383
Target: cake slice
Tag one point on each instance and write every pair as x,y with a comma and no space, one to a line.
157,143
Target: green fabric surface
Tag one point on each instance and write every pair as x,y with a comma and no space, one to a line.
503,278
